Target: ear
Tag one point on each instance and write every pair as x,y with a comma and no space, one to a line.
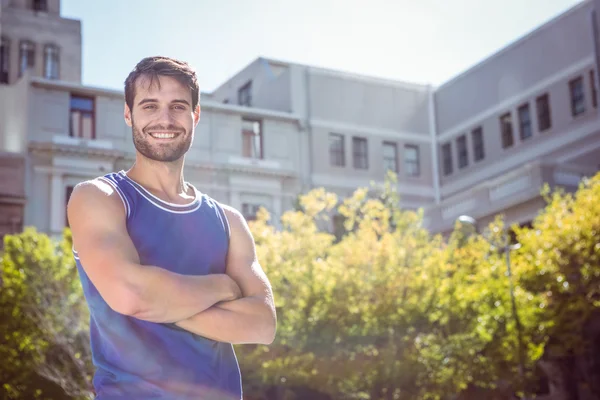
127,115
197,114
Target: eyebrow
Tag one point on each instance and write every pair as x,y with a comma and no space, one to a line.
180,101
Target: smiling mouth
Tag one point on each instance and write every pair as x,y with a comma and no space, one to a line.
163,135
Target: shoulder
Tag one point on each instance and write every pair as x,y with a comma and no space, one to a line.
95,195
232,212
237,222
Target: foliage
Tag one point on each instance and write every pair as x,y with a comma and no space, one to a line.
560,263
392,312
386,311
559,267
43,320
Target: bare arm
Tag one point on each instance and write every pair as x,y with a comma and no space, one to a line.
251,319
109,258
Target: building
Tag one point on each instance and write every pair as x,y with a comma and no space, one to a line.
35,37
12,193
525,116
481,144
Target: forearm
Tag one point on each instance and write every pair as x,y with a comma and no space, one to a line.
243,321
163,296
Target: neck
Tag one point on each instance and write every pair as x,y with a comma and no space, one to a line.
166,177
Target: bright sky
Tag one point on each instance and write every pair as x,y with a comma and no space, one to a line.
423,41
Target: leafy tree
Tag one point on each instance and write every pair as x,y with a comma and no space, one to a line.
386,311
43,320
559,267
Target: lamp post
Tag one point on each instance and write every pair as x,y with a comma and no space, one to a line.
503,247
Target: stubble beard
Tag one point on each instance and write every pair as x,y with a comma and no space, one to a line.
167,152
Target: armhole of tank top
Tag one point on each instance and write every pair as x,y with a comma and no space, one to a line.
120,193
225,220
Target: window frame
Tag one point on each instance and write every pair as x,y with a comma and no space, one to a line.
360,153
416,163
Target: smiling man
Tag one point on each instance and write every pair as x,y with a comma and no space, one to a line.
170,275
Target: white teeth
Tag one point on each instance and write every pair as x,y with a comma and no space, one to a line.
163,135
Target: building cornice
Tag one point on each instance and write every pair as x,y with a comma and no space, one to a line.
8,198
65,149
75,87
118,155
251,112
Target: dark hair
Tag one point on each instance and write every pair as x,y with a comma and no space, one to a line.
156,66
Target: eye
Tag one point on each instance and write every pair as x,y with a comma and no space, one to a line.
149,106
179,107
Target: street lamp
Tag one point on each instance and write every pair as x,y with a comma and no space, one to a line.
505,247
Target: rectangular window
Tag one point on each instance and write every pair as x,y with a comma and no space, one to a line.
478,149
507,130
390,157
525,130
360,154
447,158
245,95
51,62
252,139
463,153
577,96
412,164
249,211
593,89
336,150
542,104
40,5
26,56
82,117
4,60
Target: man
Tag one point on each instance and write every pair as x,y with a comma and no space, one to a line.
170,276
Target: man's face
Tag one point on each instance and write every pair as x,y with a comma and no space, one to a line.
162,119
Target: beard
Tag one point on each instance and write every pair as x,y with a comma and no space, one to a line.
162,152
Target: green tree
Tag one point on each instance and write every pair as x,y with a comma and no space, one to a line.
559,269
387,312
43,320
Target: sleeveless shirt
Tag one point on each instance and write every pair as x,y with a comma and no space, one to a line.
136,359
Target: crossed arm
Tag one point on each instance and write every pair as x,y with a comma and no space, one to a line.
235,307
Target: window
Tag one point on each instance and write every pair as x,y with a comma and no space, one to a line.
68,192
336,150
447,158
542,104
463,153
524,122
249,211
577,96
245,95
252,143
360,153
390,157
478,150
40,5
51,61
26,56
4,60
507,130
82,117
411,160
593,89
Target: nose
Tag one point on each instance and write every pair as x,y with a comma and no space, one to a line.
165,116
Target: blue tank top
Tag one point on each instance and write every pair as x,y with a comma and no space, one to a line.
136,359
